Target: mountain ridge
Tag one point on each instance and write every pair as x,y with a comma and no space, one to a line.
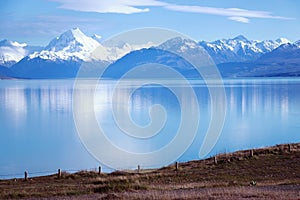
12,52
239,49
64,54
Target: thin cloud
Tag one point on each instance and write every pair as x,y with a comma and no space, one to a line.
139,6
112,6
240,19
236,14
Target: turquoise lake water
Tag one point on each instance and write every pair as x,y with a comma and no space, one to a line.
38,131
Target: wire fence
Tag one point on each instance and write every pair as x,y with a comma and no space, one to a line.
104,169
51,172
99,169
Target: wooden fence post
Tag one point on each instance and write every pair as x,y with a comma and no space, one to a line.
251,153
289,148
58,173
139,168
99,170
177,166
215,160
25,175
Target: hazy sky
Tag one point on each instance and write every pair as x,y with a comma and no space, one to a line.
38,21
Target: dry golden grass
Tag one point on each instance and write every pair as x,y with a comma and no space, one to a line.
271,173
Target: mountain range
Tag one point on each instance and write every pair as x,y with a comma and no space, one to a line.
62,57
12,52
240,49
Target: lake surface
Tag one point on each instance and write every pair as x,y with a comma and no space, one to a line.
38,131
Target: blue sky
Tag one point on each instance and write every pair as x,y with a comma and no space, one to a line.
38,21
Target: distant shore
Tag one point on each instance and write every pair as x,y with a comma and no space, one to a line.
265,173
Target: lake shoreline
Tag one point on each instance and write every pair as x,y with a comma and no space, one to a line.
271,172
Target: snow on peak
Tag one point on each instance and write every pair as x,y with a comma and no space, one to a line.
240,48
297,43
282,41
6,42
72,44
121,48
96,37
71,39
75,45
76,31
288,47
179,43
12,52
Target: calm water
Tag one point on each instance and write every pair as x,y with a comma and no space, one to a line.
38,133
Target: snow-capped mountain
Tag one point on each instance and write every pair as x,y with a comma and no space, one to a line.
63,56
286,53
118,49
71,45
181,45
282,61
12,52
75,45
239,49
297,43
188,49
66,53
178,53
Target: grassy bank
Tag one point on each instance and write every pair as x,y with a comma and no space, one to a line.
265,173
